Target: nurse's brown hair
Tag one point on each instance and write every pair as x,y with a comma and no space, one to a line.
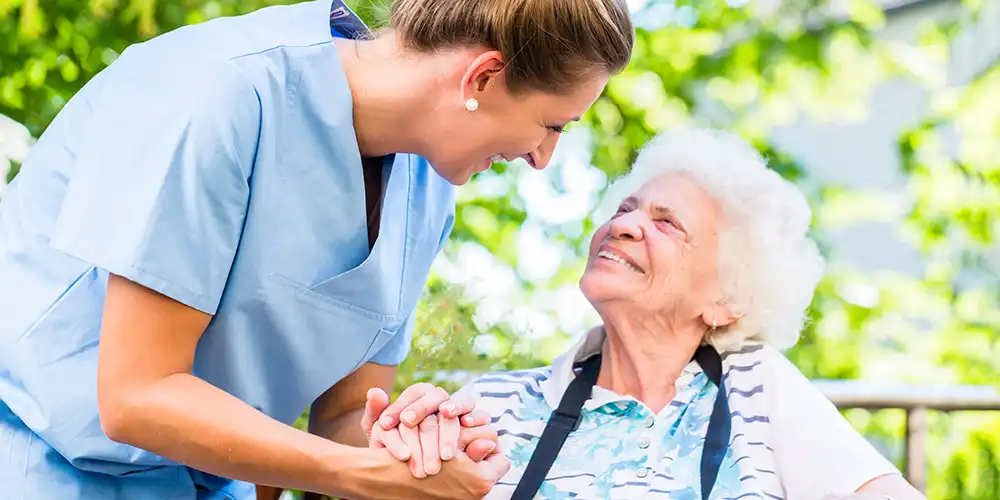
548,45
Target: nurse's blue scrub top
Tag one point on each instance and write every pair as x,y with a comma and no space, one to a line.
218,165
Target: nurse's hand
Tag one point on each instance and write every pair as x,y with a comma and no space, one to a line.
419,448
434,439
461,479
420,400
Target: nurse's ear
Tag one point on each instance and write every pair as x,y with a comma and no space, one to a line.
484,73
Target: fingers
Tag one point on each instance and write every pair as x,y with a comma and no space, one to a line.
376,403
469,434
479,449
427,404
475,419
375,438
457,406
394,443
411,438
495,466
413,405
429,445
390,416
449,430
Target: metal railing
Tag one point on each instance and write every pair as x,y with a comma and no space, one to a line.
916,401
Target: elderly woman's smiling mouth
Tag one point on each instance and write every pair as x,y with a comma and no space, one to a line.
618,258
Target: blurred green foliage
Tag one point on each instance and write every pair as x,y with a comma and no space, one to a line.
733,64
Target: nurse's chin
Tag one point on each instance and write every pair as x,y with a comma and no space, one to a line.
462,177
457,178
459,174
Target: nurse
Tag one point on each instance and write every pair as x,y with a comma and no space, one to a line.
233,223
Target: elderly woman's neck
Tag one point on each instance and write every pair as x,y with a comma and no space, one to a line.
644,360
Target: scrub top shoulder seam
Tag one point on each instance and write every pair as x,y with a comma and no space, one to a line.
279,47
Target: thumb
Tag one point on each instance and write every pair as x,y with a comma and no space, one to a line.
495,466
377,402
480,449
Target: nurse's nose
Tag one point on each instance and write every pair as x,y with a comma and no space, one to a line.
543,153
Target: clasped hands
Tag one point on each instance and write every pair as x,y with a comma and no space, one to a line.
425,427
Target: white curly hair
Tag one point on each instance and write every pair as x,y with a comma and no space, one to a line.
768,264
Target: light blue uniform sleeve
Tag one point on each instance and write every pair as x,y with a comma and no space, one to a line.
398,348
160,188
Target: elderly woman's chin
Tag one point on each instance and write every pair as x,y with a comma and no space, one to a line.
601,283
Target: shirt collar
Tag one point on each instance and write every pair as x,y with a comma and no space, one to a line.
586,346
344,23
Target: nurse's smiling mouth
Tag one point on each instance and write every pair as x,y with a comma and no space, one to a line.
487,163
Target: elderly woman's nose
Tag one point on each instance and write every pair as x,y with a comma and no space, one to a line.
627,227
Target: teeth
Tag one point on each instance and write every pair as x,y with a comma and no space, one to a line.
608,255
496,158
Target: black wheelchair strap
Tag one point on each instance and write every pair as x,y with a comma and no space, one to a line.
566,419
561,423
720,424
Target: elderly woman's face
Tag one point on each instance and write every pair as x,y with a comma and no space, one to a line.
659,250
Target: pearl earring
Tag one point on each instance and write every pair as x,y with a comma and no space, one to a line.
472,104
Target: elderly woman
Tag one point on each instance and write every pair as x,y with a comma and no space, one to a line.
700,276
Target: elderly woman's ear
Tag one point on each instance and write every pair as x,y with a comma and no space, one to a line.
720,314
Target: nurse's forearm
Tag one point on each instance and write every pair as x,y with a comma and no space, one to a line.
184,418
345,429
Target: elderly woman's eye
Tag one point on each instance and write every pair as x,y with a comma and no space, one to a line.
667,223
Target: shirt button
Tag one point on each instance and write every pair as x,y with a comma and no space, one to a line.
642,472
649,422
644,443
